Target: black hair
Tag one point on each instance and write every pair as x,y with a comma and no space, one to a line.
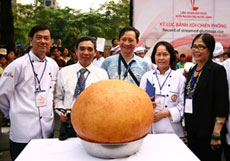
171,51
182,55
227,53
4,56
39,28
129,28
86,38
209,41
58,48
113,40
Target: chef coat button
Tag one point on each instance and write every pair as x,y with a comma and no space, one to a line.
153,84
166,106
170,76
40,117
169,85
50,87
49,73
36,89
32,61
167,95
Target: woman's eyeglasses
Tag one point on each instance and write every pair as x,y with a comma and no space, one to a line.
199,47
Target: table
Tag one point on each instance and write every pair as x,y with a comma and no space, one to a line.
155,147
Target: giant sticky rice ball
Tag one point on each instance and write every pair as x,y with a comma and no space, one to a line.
112,112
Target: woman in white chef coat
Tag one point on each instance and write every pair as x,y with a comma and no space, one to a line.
169,90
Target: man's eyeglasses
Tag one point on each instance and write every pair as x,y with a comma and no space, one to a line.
199,47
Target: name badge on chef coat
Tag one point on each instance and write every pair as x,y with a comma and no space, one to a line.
160,101
40,98
188,105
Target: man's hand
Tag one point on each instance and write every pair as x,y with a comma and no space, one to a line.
63,117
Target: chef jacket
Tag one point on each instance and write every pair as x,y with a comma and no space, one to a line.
226,65
17,97
98,62
173,90
67,80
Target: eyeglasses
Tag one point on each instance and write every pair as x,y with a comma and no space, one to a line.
199,47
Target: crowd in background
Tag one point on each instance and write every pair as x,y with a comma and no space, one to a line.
64,57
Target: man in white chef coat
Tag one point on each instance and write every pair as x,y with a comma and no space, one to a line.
26,95
69,85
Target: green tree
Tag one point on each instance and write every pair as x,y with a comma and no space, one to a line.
114,17
69,24
23,22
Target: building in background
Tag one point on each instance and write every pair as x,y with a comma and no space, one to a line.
48,3
51,3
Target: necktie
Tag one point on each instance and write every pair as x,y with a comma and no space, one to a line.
80,86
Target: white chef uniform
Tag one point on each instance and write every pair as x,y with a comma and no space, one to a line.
173,92
17,97
226,65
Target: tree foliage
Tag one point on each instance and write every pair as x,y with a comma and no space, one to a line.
69,24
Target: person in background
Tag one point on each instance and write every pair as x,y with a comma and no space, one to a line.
177,56
3,53
59,43
57,51
140,51
73,59
65,55
26,95
3,63
69,86
226,55
218,53
11,56
181,62
98,60
114,42
226,138
206,101
187,66
169,90
126,65
115,50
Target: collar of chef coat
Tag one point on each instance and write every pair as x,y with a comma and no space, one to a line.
89,68
35,58
158,72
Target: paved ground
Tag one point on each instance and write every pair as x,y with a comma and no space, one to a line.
4,140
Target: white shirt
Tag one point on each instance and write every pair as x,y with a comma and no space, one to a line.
226,65
17,98
173,90
67,80
98,62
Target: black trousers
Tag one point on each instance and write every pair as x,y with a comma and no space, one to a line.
227,152
202,149
66,131
16,149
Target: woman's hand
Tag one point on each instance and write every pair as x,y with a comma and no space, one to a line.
160,115
154,105
215,144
